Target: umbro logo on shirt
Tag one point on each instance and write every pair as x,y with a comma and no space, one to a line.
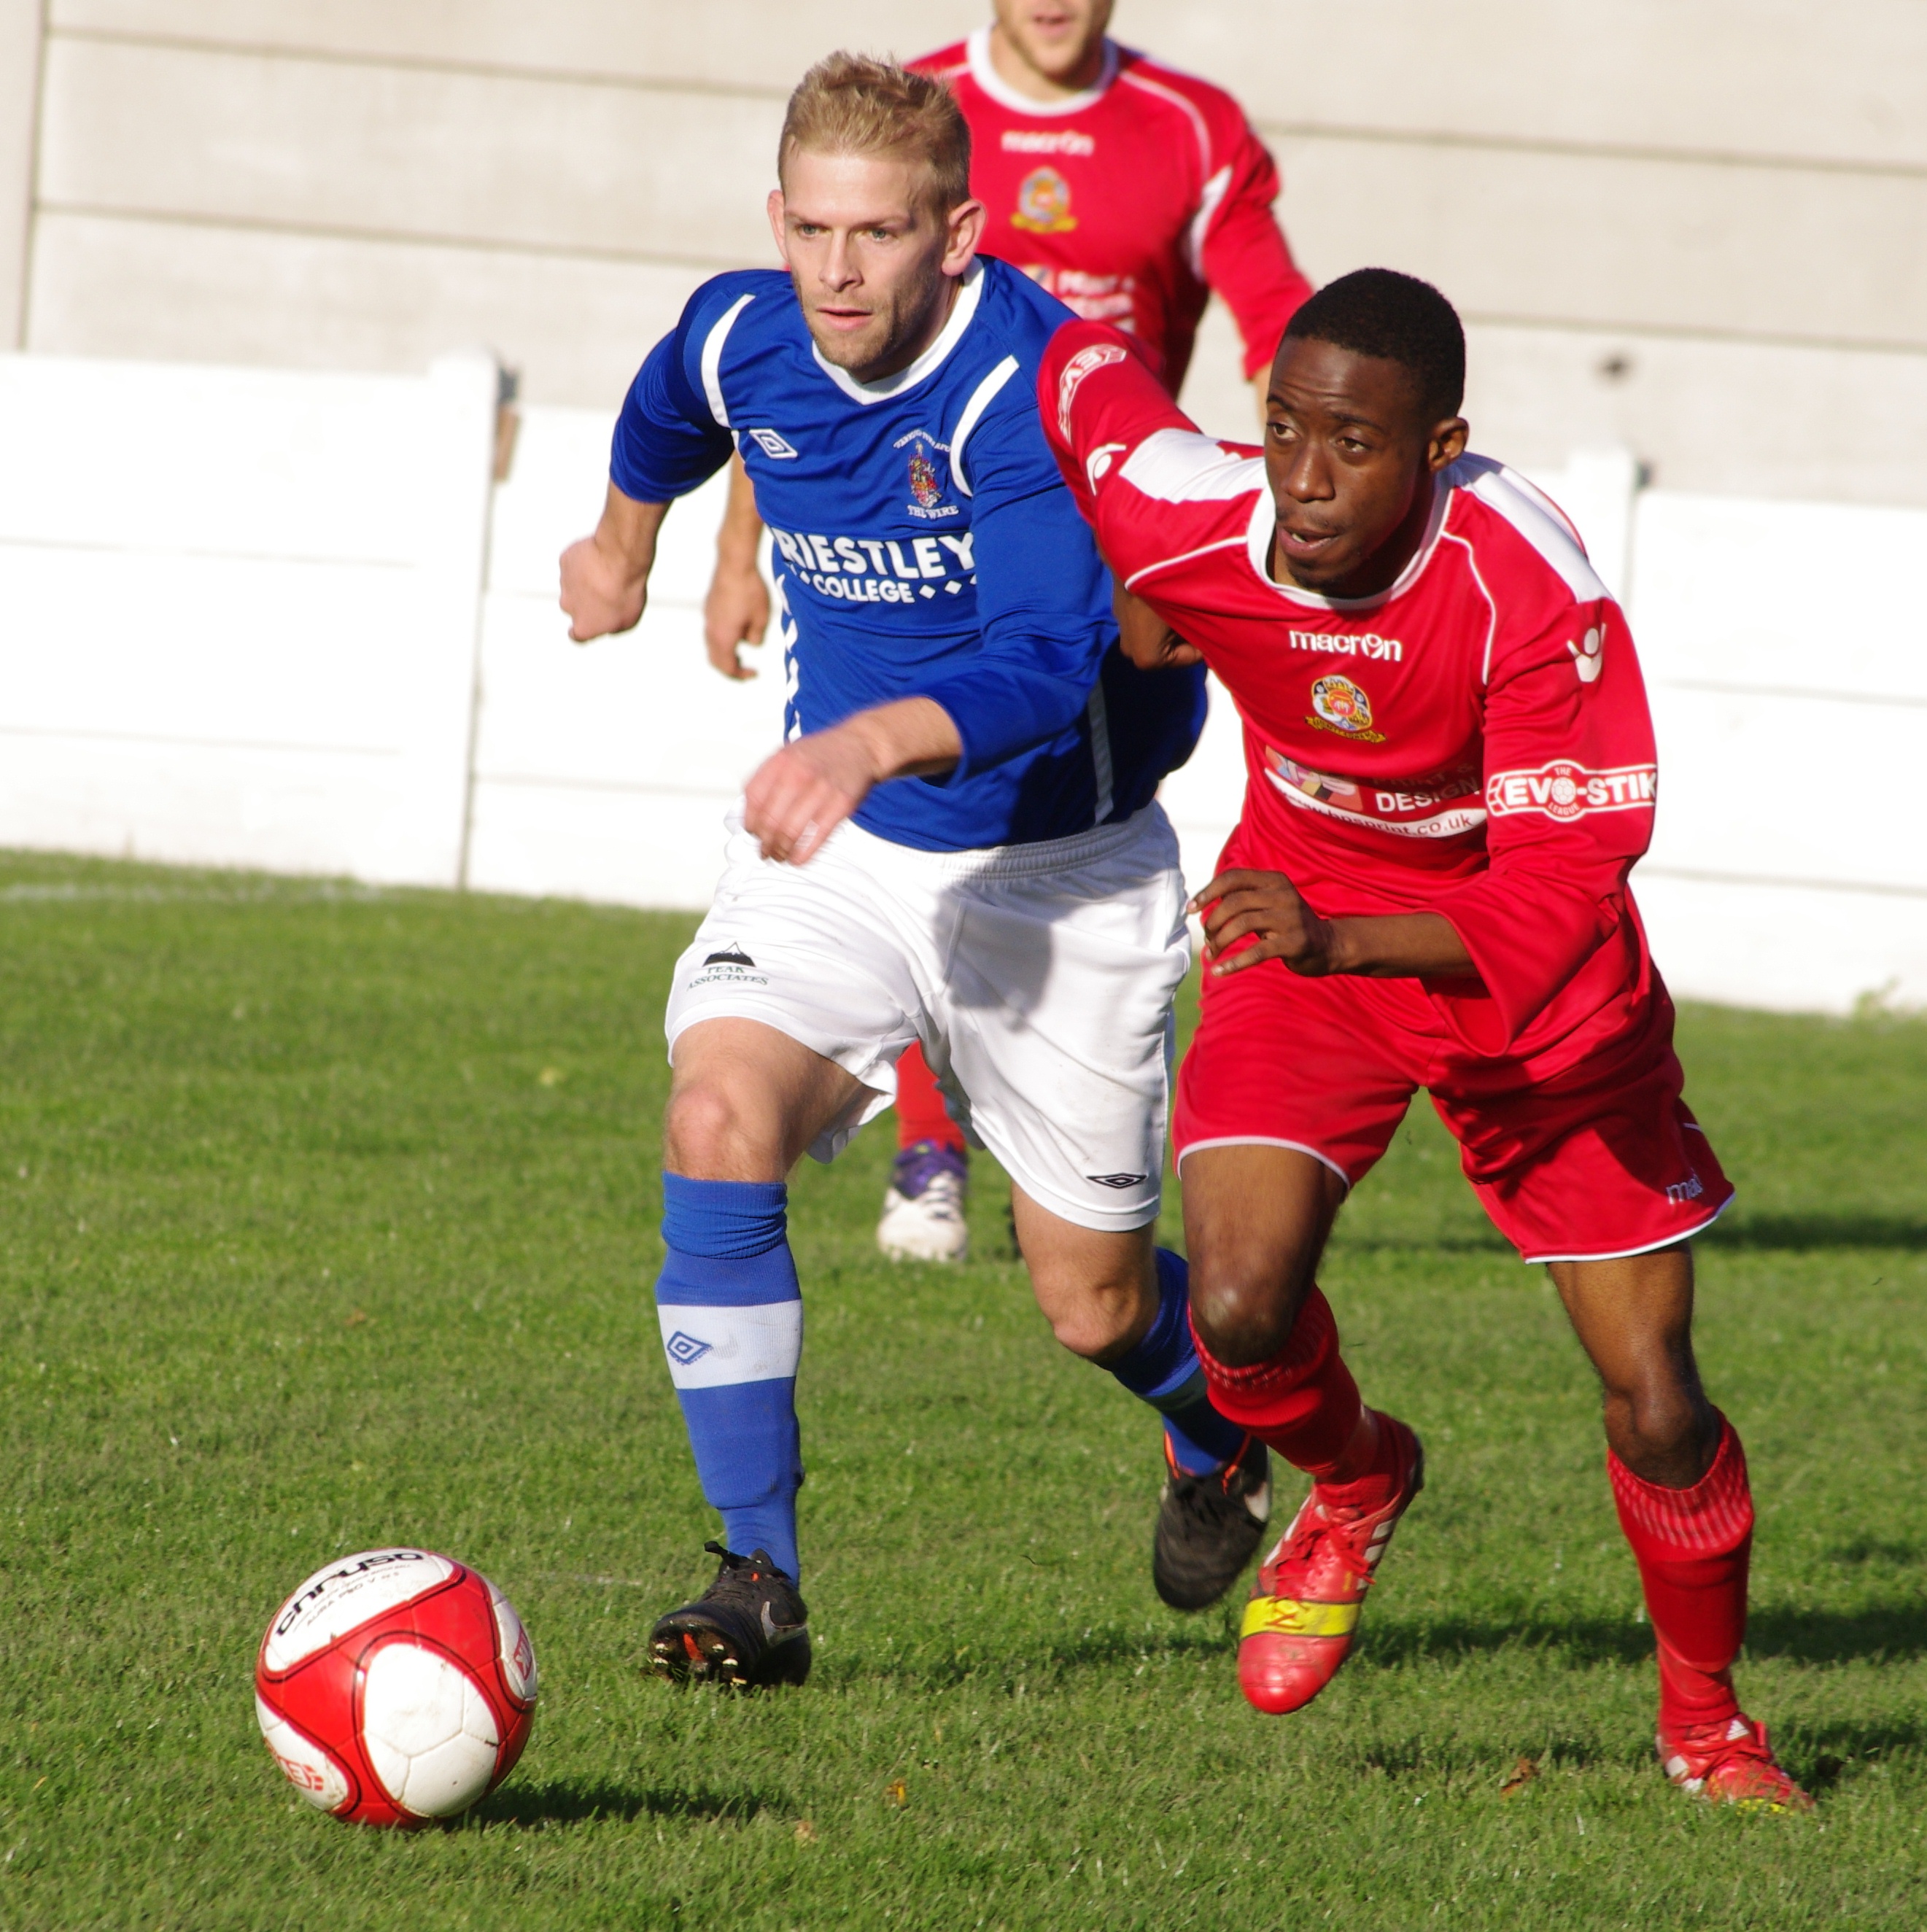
771,444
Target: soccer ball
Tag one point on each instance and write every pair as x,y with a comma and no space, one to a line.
395,1687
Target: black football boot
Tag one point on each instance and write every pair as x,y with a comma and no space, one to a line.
749,1628
1208,1527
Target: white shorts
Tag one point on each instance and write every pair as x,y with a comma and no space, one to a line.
1039,979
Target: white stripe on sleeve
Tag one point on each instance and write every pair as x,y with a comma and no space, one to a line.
982,397
712,363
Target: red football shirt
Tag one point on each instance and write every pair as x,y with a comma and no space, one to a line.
1131,202
1474,741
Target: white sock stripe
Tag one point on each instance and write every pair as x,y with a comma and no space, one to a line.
718,1348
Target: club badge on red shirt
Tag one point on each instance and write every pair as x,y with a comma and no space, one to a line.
1341,705
1043,203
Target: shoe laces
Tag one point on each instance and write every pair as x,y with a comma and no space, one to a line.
1321,1526
1723,1741
744,1577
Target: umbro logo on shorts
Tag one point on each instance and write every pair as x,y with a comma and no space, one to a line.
683,1349
1117,1180
730,956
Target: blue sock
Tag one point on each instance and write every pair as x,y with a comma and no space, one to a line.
732,1327
1163,1370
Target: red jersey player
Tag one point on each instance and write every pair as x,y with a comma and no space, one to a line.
1130,191
1449,775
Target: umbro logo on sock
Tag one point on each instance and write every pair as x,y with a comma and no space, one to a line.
683,1349
730,956
1116,1179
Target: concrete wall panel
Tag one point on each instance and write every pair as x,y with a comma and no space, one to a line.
1769,78
1723,418
1608,240
629,171
20,81
407,150
577,328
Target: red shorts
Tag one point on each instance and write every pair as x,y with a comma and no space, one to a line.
1579,1161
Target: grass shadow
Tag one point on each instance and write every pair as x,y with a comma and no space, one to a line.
577,1802
1802,1233
1890,1632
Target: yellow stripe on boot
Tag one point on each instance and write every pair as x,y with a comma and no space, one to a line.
1289,1618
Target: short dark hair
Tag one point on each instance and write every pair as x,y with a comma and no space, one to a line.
1380,312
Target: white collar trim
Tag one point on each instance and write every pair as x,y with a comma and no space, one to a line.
983,71
961,310
1257,544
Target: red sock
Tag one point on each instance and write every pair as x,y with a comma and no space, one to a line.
1303,1403
921,1115
1692,1547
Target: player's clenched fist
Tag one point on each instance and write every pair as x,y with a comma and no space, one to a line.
1238,904
1145,638
605,576
600,594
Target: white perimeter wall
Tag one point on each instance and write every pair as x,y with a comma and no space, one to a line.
1693,227
289,622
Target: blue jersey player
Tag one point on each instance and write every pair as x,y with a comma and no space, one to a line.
958,844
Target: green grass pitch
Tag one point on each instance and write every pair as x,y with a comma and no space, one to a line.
329,1219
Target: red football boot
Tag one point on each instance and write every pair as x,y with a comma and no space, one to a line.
1729,1761
1304,1611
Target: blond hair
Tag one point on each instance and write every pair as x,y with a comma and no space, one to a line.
850,104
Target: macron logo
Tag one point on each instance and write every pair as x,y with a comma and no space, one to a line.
683,1349
771,444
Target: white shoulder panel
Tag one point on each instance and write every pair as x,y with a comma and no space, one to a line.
1182,466
713,356
1534,516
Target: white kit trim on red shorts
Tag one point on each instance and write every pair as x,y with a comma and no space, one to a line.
1265,1140
1650,1248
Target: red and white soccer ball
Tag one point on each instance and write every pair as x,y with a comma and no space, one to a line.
395,1687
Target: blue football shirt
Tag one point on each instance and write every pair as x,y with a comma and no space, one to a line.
925,546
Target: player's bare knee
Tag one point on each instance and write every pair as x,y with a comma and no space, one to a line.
1095,1332
1097,1316
707,1134
1655,1428
1244,1314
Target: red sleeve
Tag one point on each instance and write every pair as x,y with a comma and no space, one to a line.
1244,255
1099,400
1570,782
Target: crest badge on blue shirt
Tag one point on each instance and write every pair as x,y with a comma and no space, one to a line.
927,462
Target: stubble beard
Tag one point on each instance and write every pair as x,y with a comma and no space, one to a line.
881,347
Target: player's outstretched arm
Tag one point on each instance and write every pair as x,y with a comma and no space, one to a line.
795,799
1265,908
1099,404
605,576
736,610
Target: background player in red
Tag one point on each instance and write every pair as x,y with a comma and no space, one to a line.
1130,191
1451,773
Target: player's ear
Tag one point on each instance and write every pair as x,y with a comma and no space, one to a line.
1447,443
775,208
964,235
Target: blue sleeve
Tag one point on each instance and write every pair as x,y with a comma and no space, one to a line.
1043,596
667,442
